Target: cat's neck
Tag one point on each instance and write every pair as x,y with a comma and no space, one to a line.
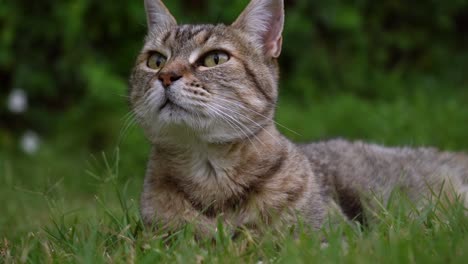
192,157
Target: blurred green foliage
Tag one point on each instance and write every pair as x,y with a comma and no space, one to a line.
73,57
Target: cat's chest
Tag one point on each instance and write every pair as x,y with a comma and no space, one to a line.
209,178
205,170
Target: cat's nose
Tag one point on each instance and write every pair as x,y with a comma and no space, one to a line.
167,78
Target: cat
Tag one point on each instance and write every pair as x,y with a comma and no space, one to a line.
205,96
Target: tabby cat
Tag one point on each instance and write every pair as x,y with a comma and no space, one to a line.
205,96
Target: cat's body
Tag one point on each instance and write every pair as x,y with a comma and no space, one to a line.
357,174
205,96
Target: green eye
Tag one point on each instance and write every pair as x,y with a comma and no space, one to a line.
156,61
215,58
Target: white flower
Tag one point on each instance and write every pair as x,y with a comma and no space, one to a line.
30,142
17,101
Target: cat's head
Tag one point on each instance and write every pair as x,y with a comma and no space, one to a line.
216,82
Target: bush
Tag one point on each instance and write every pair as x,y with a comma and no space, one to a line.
73,57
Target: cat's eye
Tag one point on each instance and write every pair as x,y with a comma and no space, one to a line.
156,61
215,58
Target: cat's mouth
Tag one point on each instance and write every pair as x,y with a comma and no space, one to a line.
168,104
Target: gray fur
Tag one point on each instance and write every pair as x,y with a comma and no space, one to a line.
354,173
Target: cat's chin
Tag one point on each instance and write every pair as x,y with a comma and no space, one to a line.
176,124
170,112
187,132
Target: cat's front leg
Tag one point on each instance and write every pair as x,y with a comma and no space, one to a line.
169,212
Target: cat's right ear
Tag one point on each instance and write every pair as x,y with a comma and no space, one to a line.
157,15
264,20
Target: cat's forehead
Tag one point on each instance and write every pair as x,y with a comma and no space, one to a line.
185,39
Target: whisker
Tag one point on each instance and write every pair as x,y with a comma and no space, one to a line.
128,124
248,109
235,123
130,119
252,121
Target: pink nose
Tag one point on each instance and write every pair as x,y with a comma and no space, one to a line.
167,78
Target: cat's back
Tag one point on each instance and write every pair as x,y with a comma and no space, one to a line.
371,167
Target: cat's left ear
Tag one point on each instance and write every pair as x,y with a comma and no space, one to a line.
157,15
264,20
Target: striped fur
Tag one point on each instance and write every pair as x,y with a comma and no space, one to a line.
216,151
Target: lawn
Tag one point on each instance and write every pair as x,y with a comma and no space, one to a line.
74,205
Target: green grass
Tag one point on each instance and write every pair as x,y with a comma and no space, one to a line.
436,234
68,205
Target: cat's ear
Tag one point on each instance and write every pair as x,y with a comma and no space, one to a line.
157,15
264,20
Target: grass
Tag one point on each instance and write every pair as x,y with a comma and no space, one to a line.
112,233
65,205
436,234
